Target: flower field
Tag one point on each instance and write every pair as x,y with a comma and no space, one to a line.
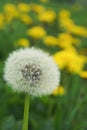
61,30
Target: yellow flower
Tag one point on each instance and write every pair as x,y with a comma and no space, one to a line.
83,74
23,42
10,12
26,19
36,32
50,40
37,8
2,21
64,14
77,64
47,16
65,40
70,60
24,7
78,30
59,91
65,20
67,24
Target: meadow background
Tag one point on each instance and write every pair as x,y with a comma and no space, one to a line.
60,28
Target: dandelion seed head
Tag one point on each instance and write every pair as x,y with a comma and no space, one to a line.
31,71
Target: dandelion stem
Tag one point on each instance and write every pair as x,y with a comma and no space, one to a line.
26,112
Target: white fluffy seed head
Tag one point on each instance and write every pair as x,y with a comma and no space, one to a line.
31,71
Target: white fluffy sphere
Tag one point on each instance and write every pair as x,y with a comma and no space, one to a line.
31,71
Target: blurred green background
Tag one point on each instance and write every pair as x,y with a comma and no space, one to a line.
66,24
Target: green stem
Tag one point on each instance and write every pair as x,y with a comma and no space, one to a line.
50,108
26,112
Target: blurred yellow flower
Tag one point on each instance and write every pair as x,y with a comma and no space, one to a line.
79,30
70,60
37,8
50,40
59,91
36,32
23,7
47,16
2,21
64,14
83,74
67,23
65,40
26,19
10,12
77,66
23,42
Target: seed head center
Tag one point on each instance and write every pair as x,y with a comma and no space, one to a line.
31,73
